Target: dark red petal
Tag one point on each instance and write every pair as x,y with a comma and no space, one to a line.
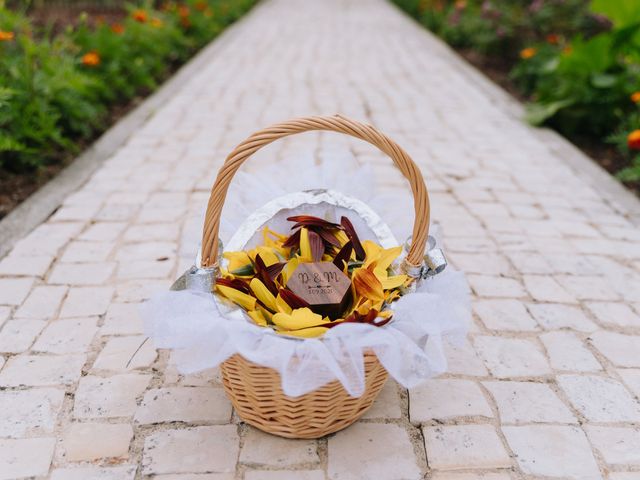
370,316
293,300
275,269
311,221
293,241
383,322
262,273
328,237
233,283
343,255
317,246
353,236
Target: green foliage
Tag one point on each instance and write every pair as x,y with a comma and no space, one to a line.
577,60
57,90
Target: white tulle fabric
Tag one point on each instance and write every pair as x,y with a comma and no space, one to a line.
410,347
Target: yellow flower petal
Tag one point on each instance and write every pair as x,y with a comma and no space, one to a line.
372,251
263,294
305,332
367,284
282,306
266,254
257,318
387,257
288,269
265,313
341,236
245,301
395,281
305,247
299,318
237,260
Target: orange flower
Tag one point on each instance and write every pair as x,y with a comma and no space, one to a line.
185,22
117,28
461,4
527,53
139,16
201,6
367,284
635,97
183,11
156,22
633,140
553,39
567,50
6,36
91,59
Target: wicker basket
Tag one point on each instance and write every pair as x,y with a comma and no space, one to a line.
255,391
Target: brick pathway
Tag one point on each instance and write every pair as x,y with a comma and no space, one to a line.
547,385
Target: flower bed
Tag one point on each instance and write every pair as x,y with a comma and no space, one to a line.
57,91
577,62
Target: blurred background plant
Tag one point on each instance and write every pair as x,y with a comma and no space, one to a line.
68,69
576,63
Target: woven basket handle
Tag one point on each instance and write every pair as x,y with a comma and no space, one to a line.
334,124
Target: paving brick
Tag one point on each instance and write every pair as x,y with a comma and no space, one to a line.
260,448
545,289
86,301
79,251
42,303
588,287
29,412
115,396
199,476
32,265
471,476
122,319
126,353
567,352
5,313
464,446
96,273
504,315
554,451
462,359
631,377
361,452
445,399
284,475
91,441
387,404
18,335
491,286
67,336
621,350
103,231
512,357
27,457
552,316
617,314
13,291
528,402
123,472
617,445
184,404
600,399
191,450
41,370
